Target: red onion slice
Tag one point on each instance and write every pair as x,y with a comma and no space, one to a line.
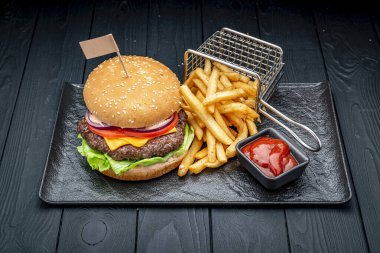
93,121
158,126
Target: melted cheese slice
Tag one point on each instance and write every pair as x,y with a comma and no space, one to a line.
114,144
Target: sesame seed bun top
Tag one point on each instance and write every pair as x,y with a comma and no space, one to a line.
150,93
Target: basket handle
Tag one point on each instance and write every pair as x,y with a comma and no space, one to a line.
311,132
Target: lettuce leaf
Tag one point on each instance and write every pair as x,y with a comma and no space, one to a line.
102,162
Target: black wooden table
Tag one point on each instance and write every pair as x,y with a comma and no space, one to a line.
39,51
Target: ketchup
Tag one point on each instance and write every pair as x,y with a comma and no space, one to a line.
272,155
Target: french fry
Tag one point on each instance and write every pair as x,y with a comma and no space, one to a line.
219,86
215,164
194,90
189,157
231,150
237,108
259,119
228,123
188,109
250,102
225,81
197,129
254,83
223,95
200,96
202,153
202,113
244,79
202,75
220,153
250,90
234,133
222,67
241,115
220,120
201,86
205,79
235,120
188,113
251,127
188,81
205,134
212,85
207,67
199,166
200,123
240,99
232,76
211,142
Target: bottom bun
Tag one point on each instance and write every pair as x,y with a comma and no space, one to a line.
140,173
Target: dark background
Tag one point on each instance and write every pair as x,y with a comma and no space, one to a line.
336,41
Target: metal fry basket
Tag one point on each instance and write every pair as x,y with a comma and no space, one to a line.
254,58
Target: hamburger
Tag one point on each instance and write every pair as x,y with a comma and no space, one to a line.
133,128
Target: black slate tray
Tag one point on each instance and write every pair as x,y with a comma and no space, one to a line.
69,180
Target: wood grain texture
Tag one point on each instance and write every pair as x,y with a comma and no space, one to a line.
239,15
173,27
310,230
352,52
236,230
291,27
17,21
376,23
127,21
173,230
114,227
27,225
249,230
98,230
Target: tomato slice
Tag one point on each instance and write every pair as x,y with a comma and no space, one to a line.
124,132
112,134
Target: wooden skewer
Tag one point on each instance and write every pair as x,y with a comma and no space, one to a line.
122,63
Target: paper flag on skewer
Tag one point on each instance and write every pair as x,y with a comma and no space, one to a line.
101,46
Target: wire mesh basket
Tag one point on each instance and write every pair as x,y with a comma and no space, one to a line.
254,58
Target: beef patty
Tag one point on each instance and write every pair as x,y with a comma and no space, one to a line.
158,146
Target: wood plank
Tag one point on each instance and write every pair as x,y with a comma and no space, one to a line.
322,229
237,15
352,54
114,228
173,27
249,230
26,223
291,27
98,230
17,21
173,230
376,24
127,21
233,229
